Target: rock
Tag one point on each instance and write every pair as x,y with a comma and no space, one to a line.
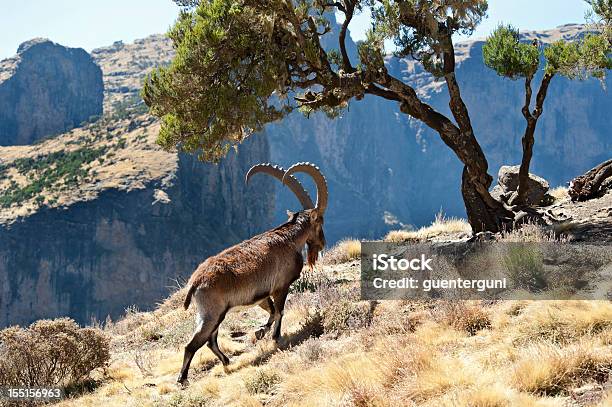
508,180
499,194
591,184
47,89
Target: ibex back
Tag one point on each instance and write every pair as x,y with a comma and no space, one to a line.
259,270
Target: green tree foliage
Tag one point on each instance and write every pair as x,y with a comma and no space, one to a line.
511,58
420,29
243,63
234,56
587,57
219,86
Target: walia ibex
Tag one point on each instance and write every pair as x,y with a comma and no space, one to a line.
259,270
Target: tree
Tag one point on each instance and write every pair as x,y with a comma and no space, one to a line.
513,59
243,63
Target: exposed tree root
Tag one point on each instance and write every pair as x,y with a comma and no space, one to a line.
593,183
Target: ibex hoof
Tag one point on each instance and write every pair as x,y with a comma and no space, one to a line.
260,333
183,382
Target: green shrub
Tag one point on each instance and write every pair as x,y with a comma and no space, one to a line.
49,170
525,267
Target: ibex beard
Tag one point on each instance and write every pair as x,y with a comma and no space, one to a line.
258,271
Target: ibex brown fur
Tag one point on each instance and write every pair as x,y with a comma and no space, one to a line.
259,270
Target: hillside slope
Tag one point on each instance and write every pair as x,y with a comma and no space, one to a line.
339,351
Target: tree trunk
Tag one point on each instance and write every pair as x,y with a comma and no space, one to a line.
483,211
483,216
528,139
591,184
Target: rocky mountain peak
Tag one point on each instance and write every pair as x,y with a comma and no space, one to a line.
47,89
25,46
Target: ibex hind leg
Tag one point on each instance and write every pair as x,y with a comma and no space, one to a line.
207,323
281,296
268,305
214,346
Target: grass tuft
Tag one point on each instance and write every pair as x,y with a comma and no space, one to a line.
440,226
548,370
343,251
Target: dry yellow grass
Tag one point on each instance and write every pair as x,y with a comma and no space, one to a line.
408,353
440,226
562,321
343,251
549,369
559,193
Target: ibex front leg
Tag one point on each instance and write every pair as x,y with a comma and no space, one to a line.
279,303
268,305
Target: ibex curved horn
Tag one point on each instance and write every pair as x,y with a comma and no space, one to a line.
278,173
318,178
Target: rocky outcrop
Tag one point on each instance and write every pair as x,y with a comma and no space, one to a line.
47,89
508,182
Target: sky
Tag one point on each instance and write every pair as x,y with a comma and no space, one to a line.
96,23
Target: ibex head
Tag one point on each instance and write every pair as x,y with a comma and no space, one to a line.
312,215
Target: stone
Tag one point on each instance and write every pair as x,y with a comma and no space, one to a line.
499,194
508,180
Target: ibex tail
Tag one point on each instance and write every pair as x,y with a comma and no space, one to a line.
192,289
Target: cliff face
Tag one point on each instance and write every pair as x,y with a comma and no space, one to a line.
100,218
98,257
45,90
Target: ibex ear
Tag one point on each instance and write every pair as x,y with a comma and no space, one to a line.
314,215
291,215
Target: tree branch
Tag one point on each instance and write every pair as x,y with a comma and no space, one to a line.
528,139
528,92
468,151
456,104
384,93
542,94
348,16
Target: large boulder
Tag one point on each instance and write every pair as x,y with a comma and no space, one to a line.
508,181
